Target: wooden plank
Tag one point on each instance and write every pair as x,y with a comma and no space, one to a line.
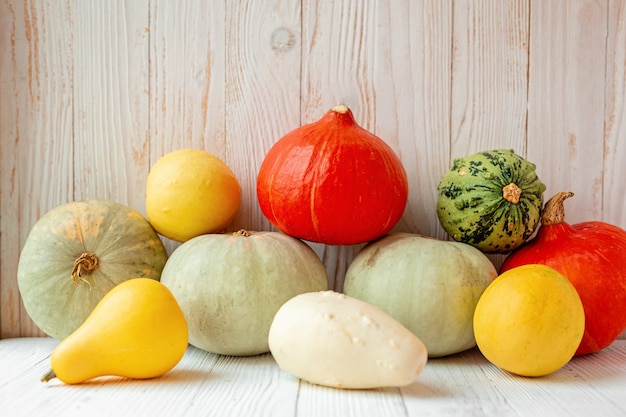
614,203
586,384
262,91
338,59
111,91
201,384
214,385
355,53
379,402
460,377
489,76
489,79
187,75
36,132
456,385
566,103
247,386
187,79
412,73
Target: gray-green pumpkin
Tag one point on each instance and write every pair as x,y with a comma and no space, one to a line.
76,253
230,286
491,200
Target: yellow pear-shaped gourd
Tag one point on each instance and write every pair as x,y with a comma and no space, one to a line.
137,330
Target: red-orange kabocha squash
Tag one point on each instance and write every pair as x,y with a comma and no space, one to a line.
333,182
592,256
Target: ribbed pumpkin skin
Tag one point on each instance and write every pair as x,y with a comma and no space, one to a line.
472,209
123,241
430,286
332,182
230,286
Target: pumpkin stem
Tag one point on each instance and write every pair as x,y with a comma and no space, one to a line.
48,376
341,109
241,232
85,264
553,211
511,193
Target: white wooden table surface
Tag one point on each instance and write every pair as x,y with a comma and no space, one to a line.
204,384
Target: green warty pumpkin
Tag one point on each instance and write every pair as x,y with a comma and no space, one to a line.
491,200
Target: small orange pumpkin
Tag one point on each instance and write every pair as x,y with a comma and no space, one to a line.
333,182
592,256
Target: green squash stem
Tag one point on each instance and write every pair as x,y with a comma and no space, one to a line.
511,193
554,212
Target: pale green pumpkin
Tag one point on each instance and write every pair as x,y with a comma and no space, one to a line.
76,253
230,286
428,285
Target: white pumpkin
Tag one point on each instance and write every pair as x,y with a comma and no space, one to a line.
430,286
330,339
230,286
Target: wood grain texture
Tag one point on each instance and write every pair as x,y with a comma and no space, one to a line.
489,79
338,62
187,77
94,93
212,385
566,87
614,168
413,100
391,66
489,76
187,74
263,90
36,131
110,90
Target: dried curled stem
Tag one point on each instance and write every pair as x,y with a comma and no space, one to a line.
84,265
554,211
241,232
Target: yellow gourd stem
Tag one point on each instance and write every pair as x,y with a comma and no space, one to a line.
553,211
85,264
511,193
48,376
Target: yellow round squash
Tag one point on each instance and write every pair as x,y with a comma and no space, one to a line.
191,192
529,321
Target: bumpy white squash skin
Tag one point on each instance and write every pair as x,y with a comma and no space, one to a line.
430,286
328,338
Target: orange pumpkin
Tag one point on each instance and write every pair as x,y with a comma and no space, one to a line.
592,256
333,182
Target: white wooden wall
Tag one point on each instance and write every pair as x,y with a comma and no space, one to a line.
93,92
